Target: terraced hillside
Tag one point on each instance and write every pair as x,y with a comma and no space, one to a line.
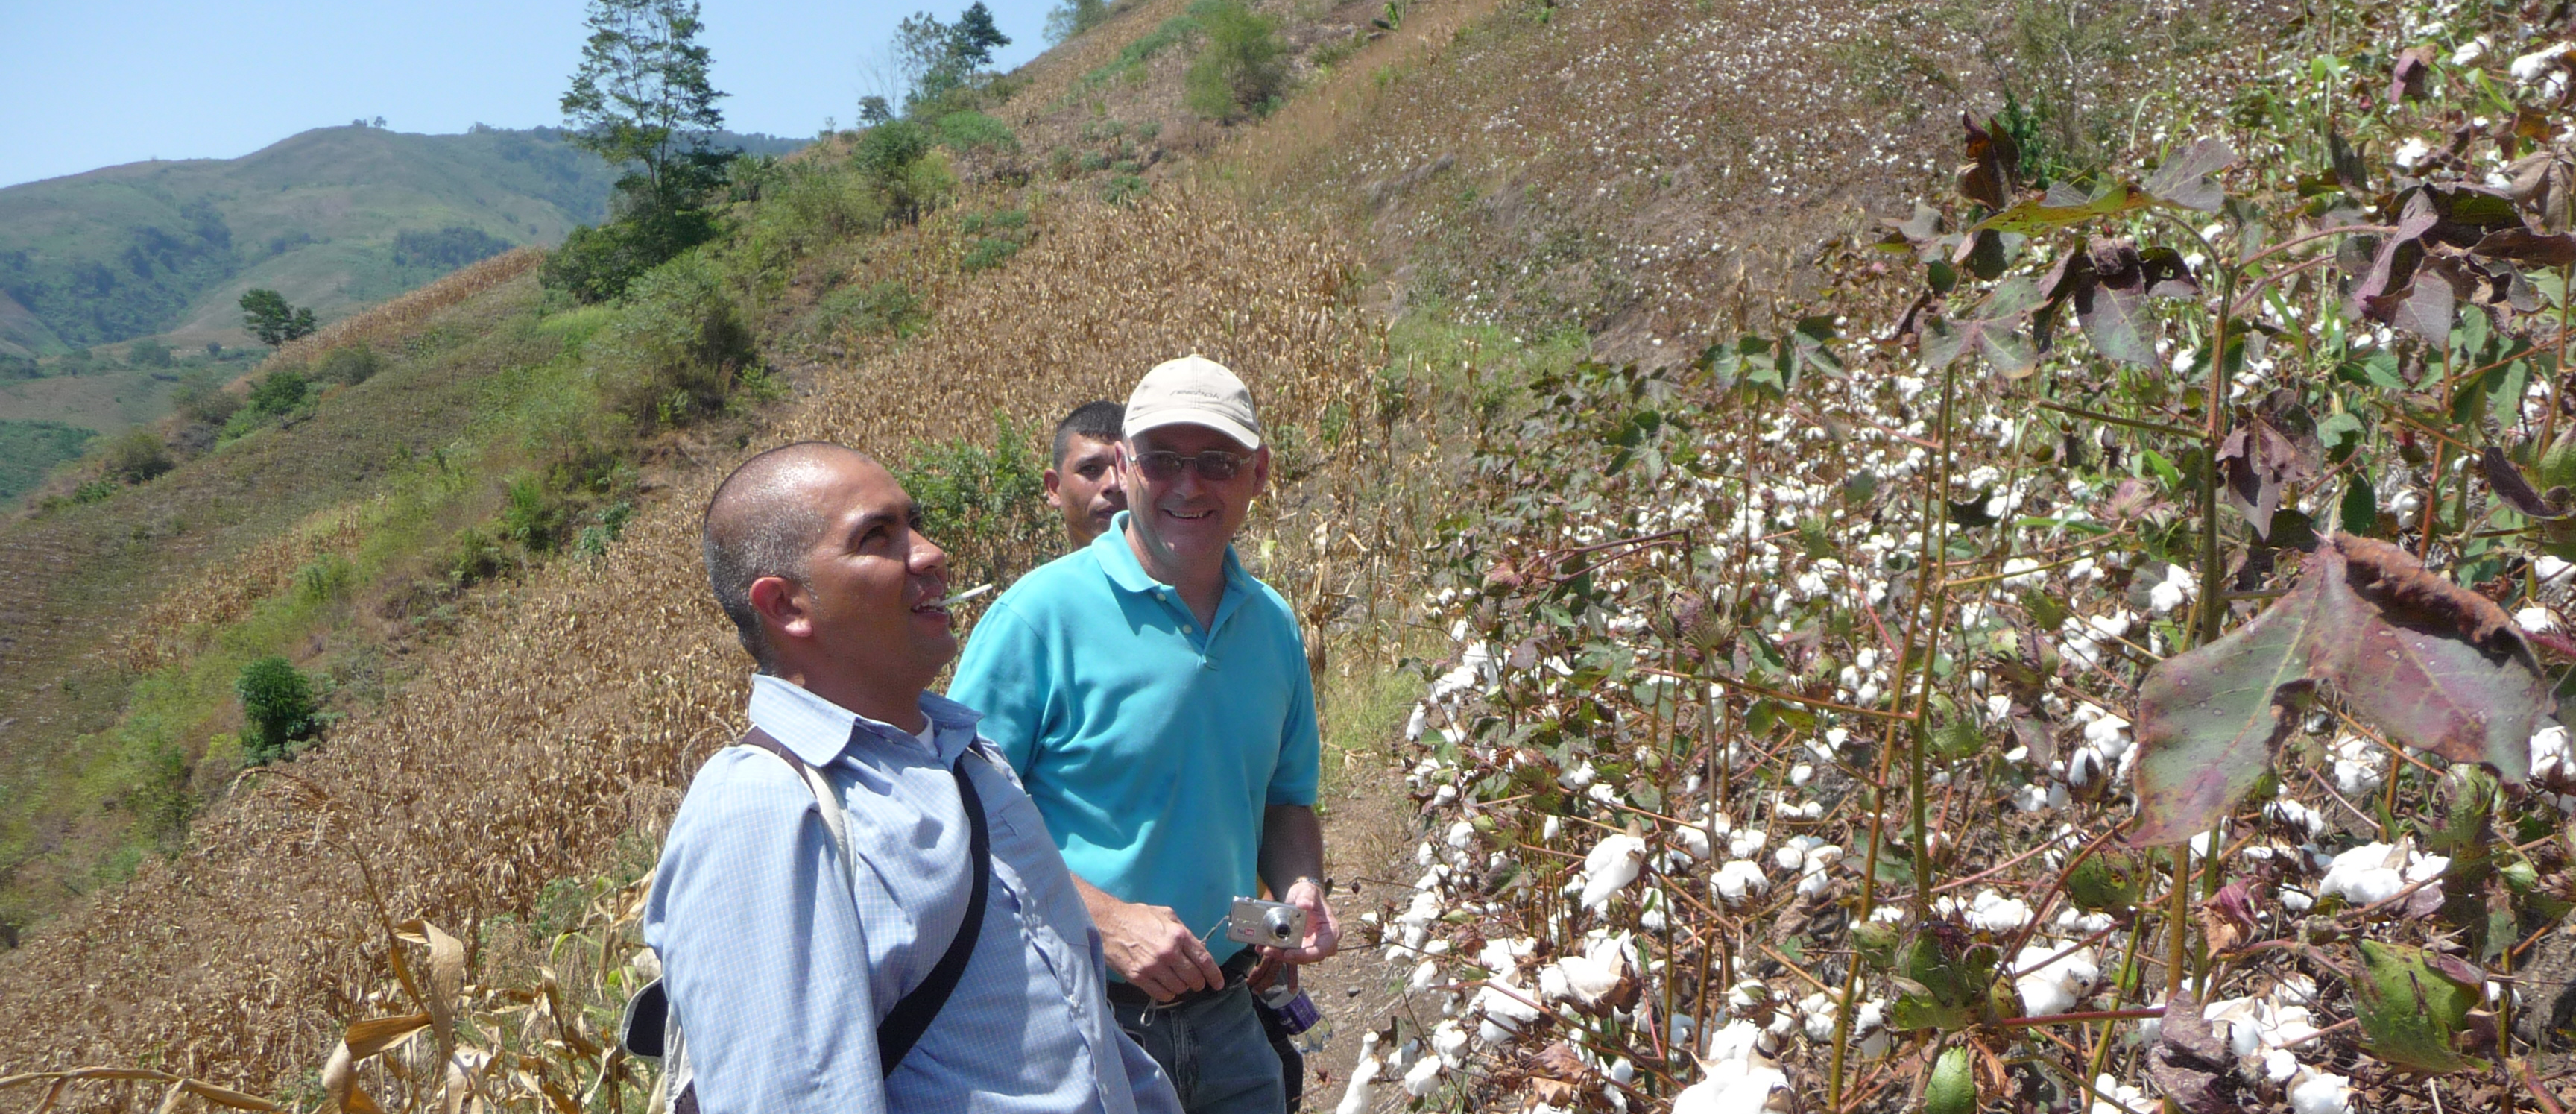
1617,427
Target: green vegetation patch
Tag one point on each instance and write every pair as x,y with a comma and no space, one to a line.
29,450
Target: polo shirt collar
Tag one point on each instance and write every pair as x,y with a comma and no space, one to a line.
820,731
1118,559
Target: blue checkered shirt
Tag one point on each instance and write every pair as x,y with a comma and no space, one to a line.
779,977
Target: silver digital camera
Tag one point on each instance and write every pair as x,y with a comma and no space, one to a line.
1273,923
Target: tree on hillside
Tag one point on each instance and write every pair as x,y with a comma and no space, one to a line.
268,317
1073,17
938,58
641,96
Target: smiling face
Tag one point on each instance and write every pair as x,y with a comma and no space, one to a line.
862,627
1181,526
1087,488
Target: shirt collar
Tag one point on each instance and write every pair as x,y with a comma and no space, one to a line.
1118,559
820,731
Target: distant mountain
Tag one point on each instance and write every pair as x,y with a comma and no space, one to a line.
333,218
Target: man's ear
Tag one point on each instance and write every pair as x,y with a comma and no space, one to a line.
1054,484
782,605
1261,467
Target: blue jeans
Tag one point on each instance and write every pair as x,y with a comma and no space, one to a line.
1215,1050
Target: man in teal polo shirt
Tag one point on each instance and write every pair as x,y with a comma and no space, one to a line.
1155,700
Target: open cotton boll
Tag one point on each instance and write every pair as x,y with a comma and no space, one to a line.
1694,841
1356,1094
2320,1092
2115,1097
1613,863
1740,879
1750,1086
1423,1078
2375,872
1449,1042
2050,983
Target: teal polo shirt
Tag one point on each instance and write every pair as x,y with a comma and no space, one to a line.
1150,746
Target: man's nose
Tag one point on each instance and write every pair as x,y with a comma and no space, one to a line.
926,554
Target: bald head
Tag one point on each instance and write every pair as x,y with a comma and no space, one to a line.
764,520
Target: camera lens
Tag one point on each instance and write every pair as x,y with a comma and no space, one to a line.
1282,927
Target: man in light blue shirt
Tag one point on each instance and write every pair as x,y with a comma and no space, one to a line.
1155,699
779,972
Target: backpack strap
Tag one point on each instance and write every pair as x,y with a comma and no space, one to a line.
903,1025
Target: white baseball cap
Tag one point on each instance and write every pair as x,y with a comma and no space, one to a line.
1194,390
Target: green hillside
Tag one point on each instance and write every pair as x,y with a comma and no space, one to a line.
333,218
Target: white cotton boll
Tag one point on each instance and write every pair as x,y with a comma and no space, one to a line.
1746,1086
1356,1094
1694,841
2321,1092
1740,879
1550,827
2051,983
1816,1013
1578,778
1424,976
1746,843
1461,835
2471,52
2115,1097
2359,765
2410,153
2533,66
1413,726
1801,774
1449,1041
1553,985
1505,1009
1445,795
2535,619
1587,979
2550,569
2370,874
1996,913
2307,822
1423,1078
2549,753
1613,863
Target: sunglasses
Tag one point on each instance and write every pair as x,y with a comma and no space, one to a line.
1212,465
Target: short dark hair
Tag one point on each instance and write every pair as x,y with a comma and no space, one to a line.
1100,420
758,524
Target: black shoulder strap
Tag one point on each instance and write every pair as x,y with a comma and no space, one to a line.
910,1018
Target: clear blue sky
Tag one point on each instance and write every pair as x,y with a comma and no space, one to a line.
92,83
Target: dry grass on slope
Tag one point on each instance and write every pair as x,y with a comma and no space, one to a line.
526,750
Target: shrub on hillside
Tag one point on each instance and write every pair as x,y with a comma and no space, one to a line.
676,349
974,131
598,264
884,307
148,353
137,455
281,391
202,398
277,704
1244,67
984,503
533,517
353,365
900,160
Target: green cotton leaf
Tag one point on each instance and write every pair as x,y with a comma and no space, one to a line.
2377,369
1993,335
2360,507
2209,719
2057,210
2184,179
2340,433
2413,1004
1953,1087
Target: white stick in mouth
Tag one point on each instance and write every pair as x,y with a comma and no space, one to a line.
964,596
